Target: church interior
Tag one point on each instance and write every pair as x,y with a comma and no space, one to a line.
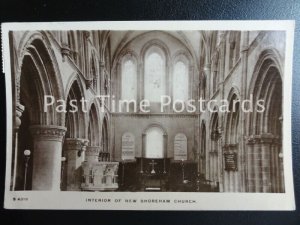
97,148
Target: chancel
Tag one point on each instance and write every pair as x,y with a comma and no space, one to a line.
140,147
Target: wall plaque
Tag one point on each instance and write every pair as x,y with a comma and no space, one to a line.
128,146
180,147
230,159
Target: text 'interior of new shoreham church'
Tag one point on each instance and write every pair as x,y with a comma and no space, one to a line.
101,148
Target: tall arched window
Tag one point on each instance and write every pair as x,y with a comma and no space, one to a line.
129,78
180,81
155,74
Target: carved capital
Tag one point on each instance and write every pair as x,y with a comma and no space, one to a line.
230,147
48,132
92,150
76,144
265,138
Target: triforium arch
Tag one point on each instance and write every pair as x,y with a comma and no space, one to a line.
265,126
232,142
36,76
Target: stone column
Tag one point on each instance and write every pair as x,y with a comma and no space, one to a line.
266,141
19,110
207,71
259,163
242,119
75,148
47,151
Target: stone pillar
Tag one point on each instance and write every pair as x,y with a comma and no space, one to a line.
47,151
19,110
266,141
75,148
259,163
207,71
242,119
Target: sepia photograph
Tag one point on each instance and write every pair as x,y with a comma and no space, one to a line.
100,112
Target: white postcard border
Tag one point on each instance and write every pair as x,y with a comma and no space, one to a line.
204,201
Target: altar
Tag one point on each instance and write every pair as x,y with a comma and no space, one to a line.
153,174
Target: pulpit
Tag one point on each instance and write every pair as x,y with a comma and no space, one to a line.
100,176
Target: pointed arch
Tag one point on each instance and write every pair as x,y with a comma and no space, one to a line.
94,126
104,154
35,55
265,127
36,75
75,121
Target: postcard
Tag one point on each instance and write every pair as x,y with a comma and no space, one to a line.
149,115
